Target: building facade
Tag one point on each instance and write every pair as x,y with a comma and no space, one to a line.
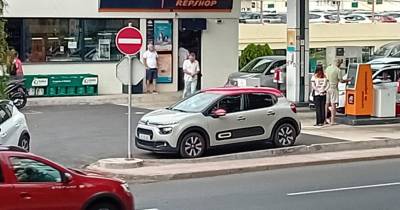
76,37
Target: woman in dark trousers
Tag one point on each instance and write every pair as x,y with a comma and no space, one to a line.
320,85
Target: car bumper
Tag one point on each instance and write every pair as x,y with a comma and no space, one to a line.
155,146
163,143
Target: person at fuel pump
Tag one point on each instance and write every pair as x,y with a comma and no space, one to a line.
320,86
191,69
334,76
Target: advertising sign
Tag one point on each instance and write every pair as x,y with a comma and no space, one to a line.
165,68
165,5
162,35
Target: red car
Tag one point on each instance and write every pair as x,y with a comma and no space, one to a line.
29,182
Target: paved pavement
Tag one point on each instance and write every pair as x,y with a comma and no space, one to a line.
81,134
370,185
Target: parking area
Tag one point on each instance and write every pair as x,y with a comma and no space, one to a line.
81,134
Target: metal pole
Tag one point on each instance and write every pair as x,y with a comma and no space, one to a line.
262,11
373,11
338,11
130,105
130,108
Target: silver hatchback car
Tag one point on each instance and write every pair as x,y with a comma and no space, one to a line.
219,116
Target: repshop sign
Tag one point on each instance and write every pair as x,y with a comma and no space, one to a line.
165,5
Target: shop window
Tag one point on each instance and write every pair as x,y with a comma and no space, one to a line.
68,40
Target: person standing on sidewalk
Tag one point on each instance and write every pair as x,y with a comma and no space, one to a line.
320,86
150,60
17,71
191,69
334,75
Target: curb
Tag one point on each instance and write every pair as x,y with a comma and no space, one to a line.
230,168
295,150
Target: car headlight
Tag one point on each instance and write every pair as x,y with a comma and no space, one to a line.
125,186
165,130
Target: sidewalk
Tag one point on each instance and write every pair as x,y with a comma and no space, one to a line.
197,170
150,101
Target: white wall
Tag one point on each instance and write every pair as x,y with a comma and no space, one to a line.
108,83
219,51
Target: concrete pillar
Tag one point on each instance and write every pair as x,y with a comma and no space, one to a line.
297,76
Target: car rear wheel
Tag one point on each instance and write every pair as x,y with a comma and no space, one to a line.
285,135
192,145
103,206
24,142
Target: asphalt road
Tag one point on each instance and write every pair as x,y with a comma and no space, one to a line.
81,134
373,185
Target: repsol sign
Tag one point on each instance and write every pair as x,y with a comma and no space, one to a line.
165,5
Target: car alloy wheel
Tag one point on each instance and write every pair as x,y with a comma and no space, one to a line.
192,145
24,142
285,135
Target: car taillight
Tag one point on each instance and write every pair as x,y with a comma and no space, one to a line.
293,108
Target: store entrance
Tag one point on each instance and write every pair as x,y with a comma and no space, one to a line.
189,40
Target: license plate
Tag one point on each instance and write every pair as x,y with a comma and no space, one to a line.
144,137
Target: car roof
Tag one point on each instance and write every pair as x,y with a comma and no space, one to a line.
240,90
384,60
273,57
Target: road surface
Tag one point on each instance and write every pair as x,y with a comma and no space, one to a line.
373,185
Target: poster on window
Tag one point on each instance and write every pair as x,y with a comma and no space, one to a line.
104,50
163,35
164,68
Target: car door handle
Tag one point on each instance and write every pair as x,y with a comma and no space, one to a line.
3,134
270,113
17,125
241,118
25,195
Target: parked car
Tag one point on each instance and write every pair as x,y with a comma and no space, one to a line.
356,18
395,15
13,127
259,68
322,18
386,19
219,116
391,49
30,182
379,63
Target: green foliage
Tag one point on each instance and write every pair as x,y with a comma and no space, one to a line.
5,60
253,51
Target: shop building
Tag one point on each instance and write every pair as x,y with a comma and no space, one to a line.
78,37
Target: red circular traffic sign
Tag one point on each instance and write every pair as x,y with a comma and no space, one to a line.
129,40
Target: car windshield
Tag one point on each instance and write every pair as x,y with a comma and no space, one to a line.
258,65
196,103
384,50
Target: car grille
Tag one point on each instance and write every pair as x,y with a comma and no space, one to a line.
145,131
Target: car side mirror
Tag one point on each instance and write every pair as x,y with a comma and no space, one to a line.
219,113
67,178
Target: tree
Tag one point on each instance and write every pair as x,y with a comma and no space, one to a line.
253,51
4,52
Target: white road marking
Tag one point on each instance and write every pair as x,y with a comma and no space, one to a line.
344,189
138,113
148,209
32,112
129,41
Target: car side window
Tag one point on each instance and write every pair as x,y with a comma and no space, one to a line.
276,65
260,100
386,76
31,171
230,104
4,114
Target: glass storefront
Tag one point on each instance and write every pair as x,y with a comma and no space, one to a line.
66,40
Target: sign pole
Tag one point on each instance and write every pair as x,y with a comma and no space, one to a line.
130,108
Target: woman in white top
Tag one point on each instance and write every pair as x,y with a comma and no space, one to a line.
320,85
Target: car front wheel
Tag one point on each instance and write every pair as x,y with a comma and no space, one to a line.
103,206
285,135
192,145
24,142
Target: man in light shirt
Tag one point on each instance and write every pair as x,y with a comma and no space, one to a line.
150,60
183,55
191,69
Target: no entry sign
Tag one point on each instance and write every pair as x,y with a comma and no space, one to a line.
129,40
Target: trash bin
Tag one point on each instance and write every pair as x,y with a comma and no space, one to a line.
385,99
73,85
